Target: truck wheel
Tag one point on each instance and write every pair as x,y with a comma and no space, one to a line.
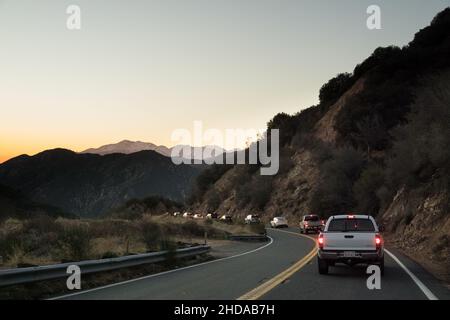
323,266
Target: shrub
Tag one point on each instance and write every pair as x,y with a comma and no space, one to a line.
334,192
255,192
75,240
192,228
365,190
213,199
334,88
151,234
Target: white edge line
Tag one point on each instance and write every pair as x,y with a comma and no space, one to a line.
162,273
416,280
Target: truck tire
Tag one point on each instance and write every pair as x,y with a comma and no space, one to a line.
323,266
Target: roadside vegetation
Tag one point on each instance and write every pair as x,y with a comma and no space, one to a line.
45,240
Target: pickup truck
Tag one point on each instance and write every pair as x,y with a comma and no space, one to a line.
310,222
350,239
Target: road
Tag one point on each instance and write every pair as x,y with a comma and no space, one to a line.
283,269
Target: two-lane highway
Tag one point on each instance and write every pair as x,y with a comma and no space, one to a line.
284,268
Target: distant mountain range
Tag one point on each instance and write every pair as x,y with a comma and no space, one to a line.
128,147
91,184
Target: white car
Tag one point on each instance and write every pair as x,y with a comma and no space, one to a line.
279,222
211,216
176,214
226,218
252,218
187,215
350,239
198,216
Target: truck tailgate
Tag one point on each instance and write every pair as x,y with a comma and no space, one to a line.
358,241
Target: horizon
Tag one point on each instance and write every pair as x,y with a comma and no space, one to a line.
88,88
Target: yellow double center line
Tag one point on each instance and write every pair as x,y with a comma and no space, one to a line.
260,291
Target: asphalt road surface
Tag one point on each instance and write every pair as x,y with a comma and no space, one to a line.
283,269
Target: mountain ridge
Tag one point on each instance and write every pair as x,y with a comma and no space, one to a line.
90,184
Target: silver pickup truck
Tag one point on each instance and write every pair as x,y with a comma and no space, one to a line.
350,239
310,222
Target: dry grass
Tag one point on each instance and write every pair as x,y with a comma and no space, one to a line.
43,241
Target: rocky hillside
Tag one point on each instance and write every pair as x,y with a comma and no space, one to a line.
89,185
377,143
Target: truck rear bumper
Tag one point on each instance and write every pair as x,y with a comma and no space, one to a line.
359,256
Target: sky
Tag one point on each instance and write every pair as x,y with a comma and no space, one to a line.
138,70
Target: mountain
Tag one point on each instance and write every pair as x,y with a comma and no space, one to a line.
15,205
90,184
127,147
377,143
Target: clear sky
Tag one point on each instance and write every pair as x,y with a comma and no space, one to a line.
138,70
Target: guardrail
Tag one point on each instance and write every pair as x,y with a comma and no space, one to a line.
41,273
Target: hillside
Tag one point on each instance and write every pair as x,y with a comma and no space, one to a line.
15,205
89,185
377,143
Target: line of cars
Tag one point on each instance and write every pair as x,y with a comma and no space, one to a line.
210,216
308,223
347,239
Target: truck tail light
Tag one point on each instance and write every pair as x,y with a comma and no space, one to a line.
320,241
378,241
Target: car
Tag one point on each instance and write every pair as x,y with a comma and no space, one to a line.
187,215
177,214
310,222
252,219
350,239
279,222
198,216
211,216
226,218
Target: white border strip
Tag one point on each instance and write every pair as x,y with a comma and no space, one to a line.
163,273
427,292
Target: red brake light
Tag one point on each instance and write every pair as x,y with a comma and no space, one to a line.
378,241
320,241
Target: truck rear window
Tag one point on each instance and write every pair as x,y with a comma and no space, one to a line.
348,225
311,218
